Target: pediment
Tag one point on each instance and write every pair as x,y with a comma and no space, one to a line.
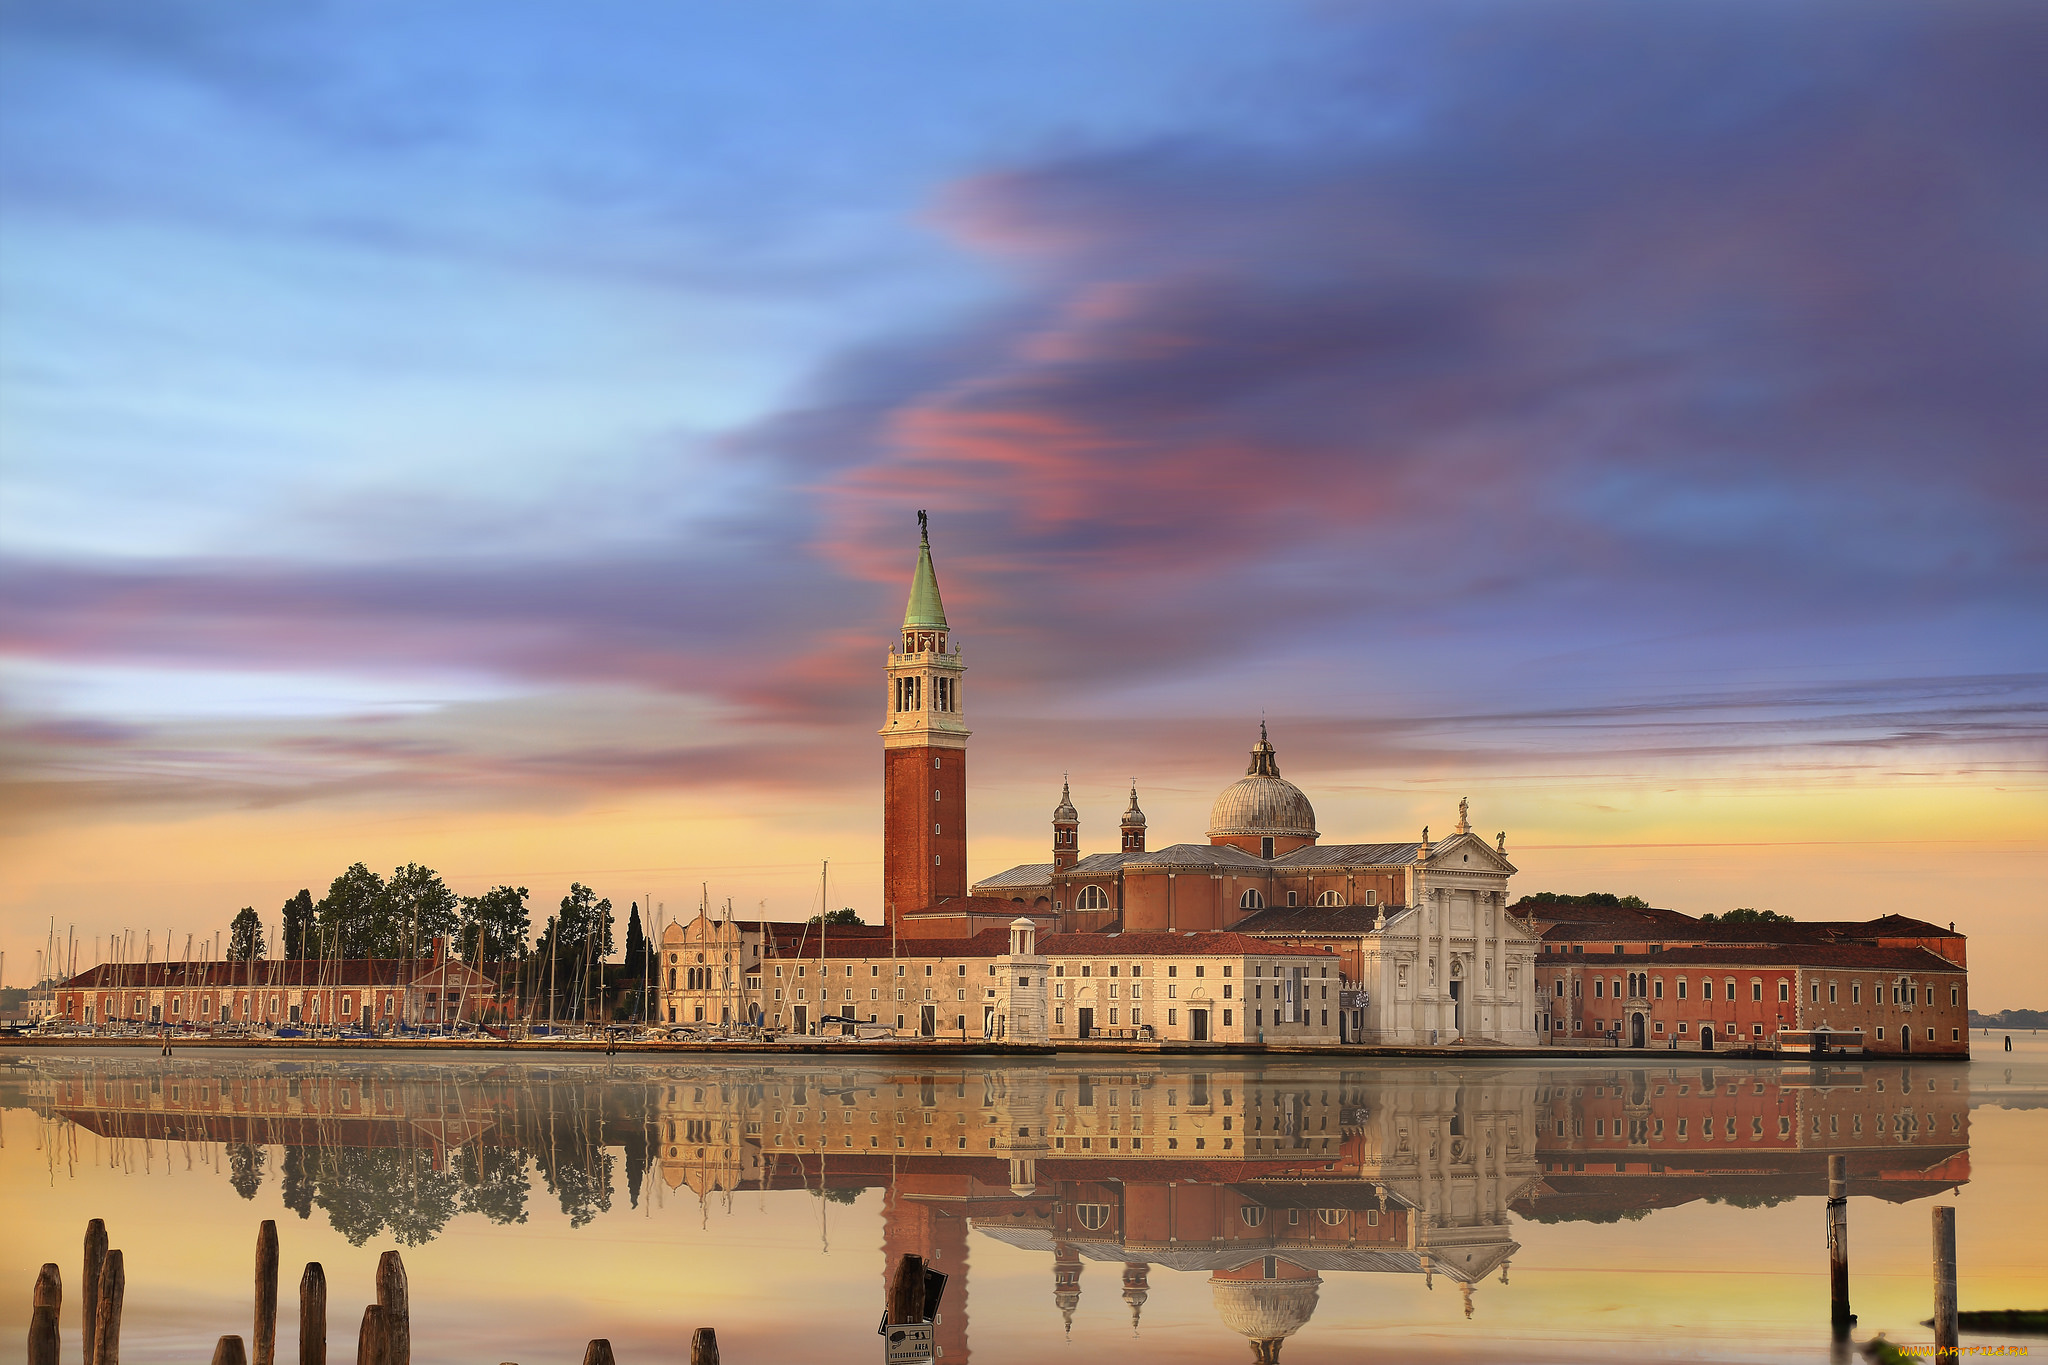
1451,854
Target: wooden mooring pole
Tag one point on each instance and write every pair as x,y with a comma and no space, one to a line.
264,1340
1946,1332
1838,1243
906,1290
373,1342
313,1315
89,1286
396,1301
106,1325
704,1347
598,1352
44,1342
228,1351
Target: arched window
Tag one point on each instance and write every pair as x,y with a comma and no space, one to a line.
1330,897
1333,1217
1251,900
1092,898
1252,1214
1093,1217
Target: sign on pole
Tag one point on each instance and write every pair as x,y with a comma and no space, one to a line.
906,1343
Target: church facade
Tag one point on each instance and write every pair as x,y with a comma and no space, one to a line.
1427,950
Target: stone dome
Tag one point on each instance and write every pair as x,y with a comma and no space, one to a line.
1262,802
1265,1310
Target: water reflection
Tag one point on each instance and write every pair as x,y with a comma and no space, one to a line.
1266,1178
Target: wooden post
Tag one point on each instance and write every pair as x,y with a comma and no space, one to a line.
393,1298
906,1291
44,1340
704,1347
228,1351
264,1339
373,1342
598,1352
1838,1243
1946,1333
106,1327
313,1315
89,1302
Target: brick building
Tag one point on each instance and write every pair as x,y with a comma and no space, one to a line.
1658,978
355,993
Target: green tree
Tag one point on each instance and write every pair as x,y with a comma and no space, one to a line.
1603,898
499,920
846,916
1747,916
298,926
417,908
585,923
635,965
245,1168
245,936
351,915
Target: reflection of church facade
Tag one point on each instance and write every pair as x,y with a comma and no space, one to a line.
1266,1180
1420,926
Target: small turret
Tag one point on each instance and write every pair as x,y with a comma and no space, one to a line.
1066,831
1134,825
1066,1283
1136,1290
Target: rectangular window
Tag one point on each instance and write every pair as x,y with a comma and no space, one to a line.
1172,1018
1785,991
1855,992
1756,991
1657,988
1955,995
1598,986
1226,1018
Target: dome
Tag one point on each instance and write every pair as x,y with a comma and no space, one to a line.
1265,1310
1134,818
1262,802
1064,813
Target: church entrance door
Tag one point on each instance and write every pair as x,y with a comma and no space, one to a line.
1087,1022
1635,1030
1458,1007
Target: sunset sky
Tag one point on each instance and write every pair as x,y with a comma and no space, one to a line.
491,435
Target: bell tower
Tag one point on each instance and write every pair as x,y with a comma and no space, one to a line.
1066,831
1133,826
924,755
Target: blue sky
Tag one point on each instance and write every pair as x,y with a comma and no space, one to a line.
513,407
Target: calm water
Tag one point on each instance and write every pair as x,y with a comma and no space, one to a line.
1162,1210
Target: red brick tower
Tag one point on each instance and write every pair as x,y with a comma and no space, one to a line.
924,755
1066,831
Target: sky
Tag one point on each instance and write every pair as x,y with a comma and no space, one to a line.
491,435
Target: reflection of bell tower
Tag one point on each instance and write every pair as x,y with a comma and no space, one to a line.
921,1226
1066,831
1066,1282
1135,1290
924,755
1134,825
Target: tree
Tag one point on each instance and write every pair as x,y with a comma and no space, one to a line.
1604,898
350,915
585,923
1747,916
245,936
418,907
298,926
635,965
498,918
847,916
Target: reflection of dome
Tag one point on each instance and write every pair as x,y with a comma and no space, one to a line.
1262,802
1264,1306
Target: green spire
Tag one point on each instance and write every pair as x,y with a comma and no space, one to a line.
925,609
